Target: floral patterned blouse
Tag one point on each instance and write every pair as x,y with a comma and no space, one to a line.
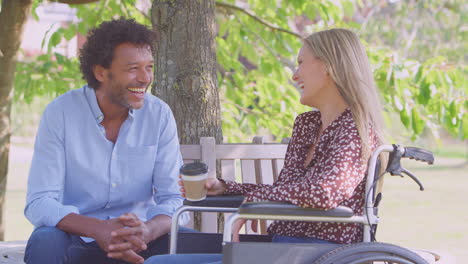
335,176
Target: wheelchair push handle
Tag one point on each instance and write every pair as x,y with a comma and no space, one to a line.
394,163
419,154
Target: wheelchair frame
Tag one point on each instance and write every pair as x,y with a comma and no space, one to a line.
340,214
285,211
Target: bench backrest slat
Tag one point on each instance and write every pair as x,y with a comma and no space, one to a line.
256,162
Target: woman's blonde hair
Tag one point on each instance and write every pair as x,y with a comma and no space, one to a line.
348,65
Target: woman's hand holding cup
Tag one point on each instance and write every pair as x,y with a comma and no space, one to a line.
215,186
212,185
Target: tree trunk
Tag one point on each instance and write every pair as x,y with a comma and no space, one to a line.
13,16
185,67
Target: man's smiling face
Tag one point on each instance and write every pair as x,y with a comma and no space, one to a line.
129,76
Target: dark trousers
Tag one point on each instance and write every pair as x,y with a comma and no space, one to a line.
53,246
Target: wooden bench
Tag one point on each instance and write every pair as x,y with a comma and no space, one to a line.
255,162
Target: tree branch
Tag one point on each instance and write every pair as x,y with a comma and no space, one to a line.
140,11
144,14
287,63
261,21
79,2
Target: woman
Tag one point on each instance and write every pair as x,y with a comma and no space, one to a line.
326,160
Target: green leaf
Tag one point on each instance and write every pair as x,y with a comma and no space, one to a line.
242,33
266,67
60,58
464,127
83,28
223,29
453,112
70,32
324,12
297,4
391,77
405,119
348,8
34,10
419,74
424,93
417,122
252,121
55,39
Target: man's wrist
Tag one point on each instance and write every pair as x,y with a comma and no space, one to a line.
153,231
158,226
81,225
99,227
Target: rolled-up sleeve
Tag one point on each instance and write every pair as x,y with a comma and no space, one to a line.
47,173
166,170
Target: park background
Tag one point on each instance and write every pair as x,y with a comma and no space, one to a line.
418,51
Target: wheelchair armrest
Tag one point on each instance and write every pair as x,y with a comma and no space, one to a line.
229,201
287,209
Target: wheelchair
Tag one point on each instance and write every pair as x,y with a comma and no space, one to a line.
258,249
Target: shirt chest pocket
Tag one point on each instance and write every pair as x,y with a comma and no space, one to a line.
138,163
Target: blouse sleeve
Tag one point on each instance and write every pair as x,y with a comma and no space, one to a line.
325,187
242,188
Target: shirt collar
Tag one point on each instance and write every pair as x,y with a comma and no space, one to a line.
90,95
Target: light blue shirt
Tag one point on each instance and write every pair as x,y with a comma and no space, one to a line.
75,169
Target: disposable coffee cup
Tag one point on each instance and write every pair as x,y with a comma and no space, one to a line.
194,177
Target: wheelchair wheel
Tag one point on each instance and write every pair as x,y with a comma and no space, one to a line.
368,252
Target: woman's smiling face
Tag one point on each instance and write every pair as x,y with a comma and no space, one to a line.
310,76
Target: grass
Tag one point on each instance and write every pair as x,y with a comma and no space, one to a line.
17,226
434,219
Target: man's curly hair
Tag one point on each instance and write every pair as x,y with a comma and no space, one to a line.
102,41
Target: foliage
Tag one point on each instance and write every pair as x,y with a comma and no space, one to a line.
426,95
256,56
46,74
419,29
253,84
52,73
433,91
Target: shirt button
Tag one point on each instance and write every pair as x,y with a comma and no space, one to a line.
114,184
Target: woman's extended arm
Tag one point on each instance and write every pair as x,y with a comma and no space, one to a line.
326,184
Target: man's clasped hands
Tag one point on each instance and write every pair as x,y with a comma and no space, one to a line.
124,237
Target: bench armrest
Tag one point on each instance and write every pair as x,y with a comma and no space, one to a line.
229,201
286,209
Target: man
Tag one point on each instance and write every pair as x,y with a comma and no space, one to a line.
103,180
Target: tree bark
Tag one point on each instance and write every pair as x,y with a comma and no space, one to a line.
13,16
185,67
